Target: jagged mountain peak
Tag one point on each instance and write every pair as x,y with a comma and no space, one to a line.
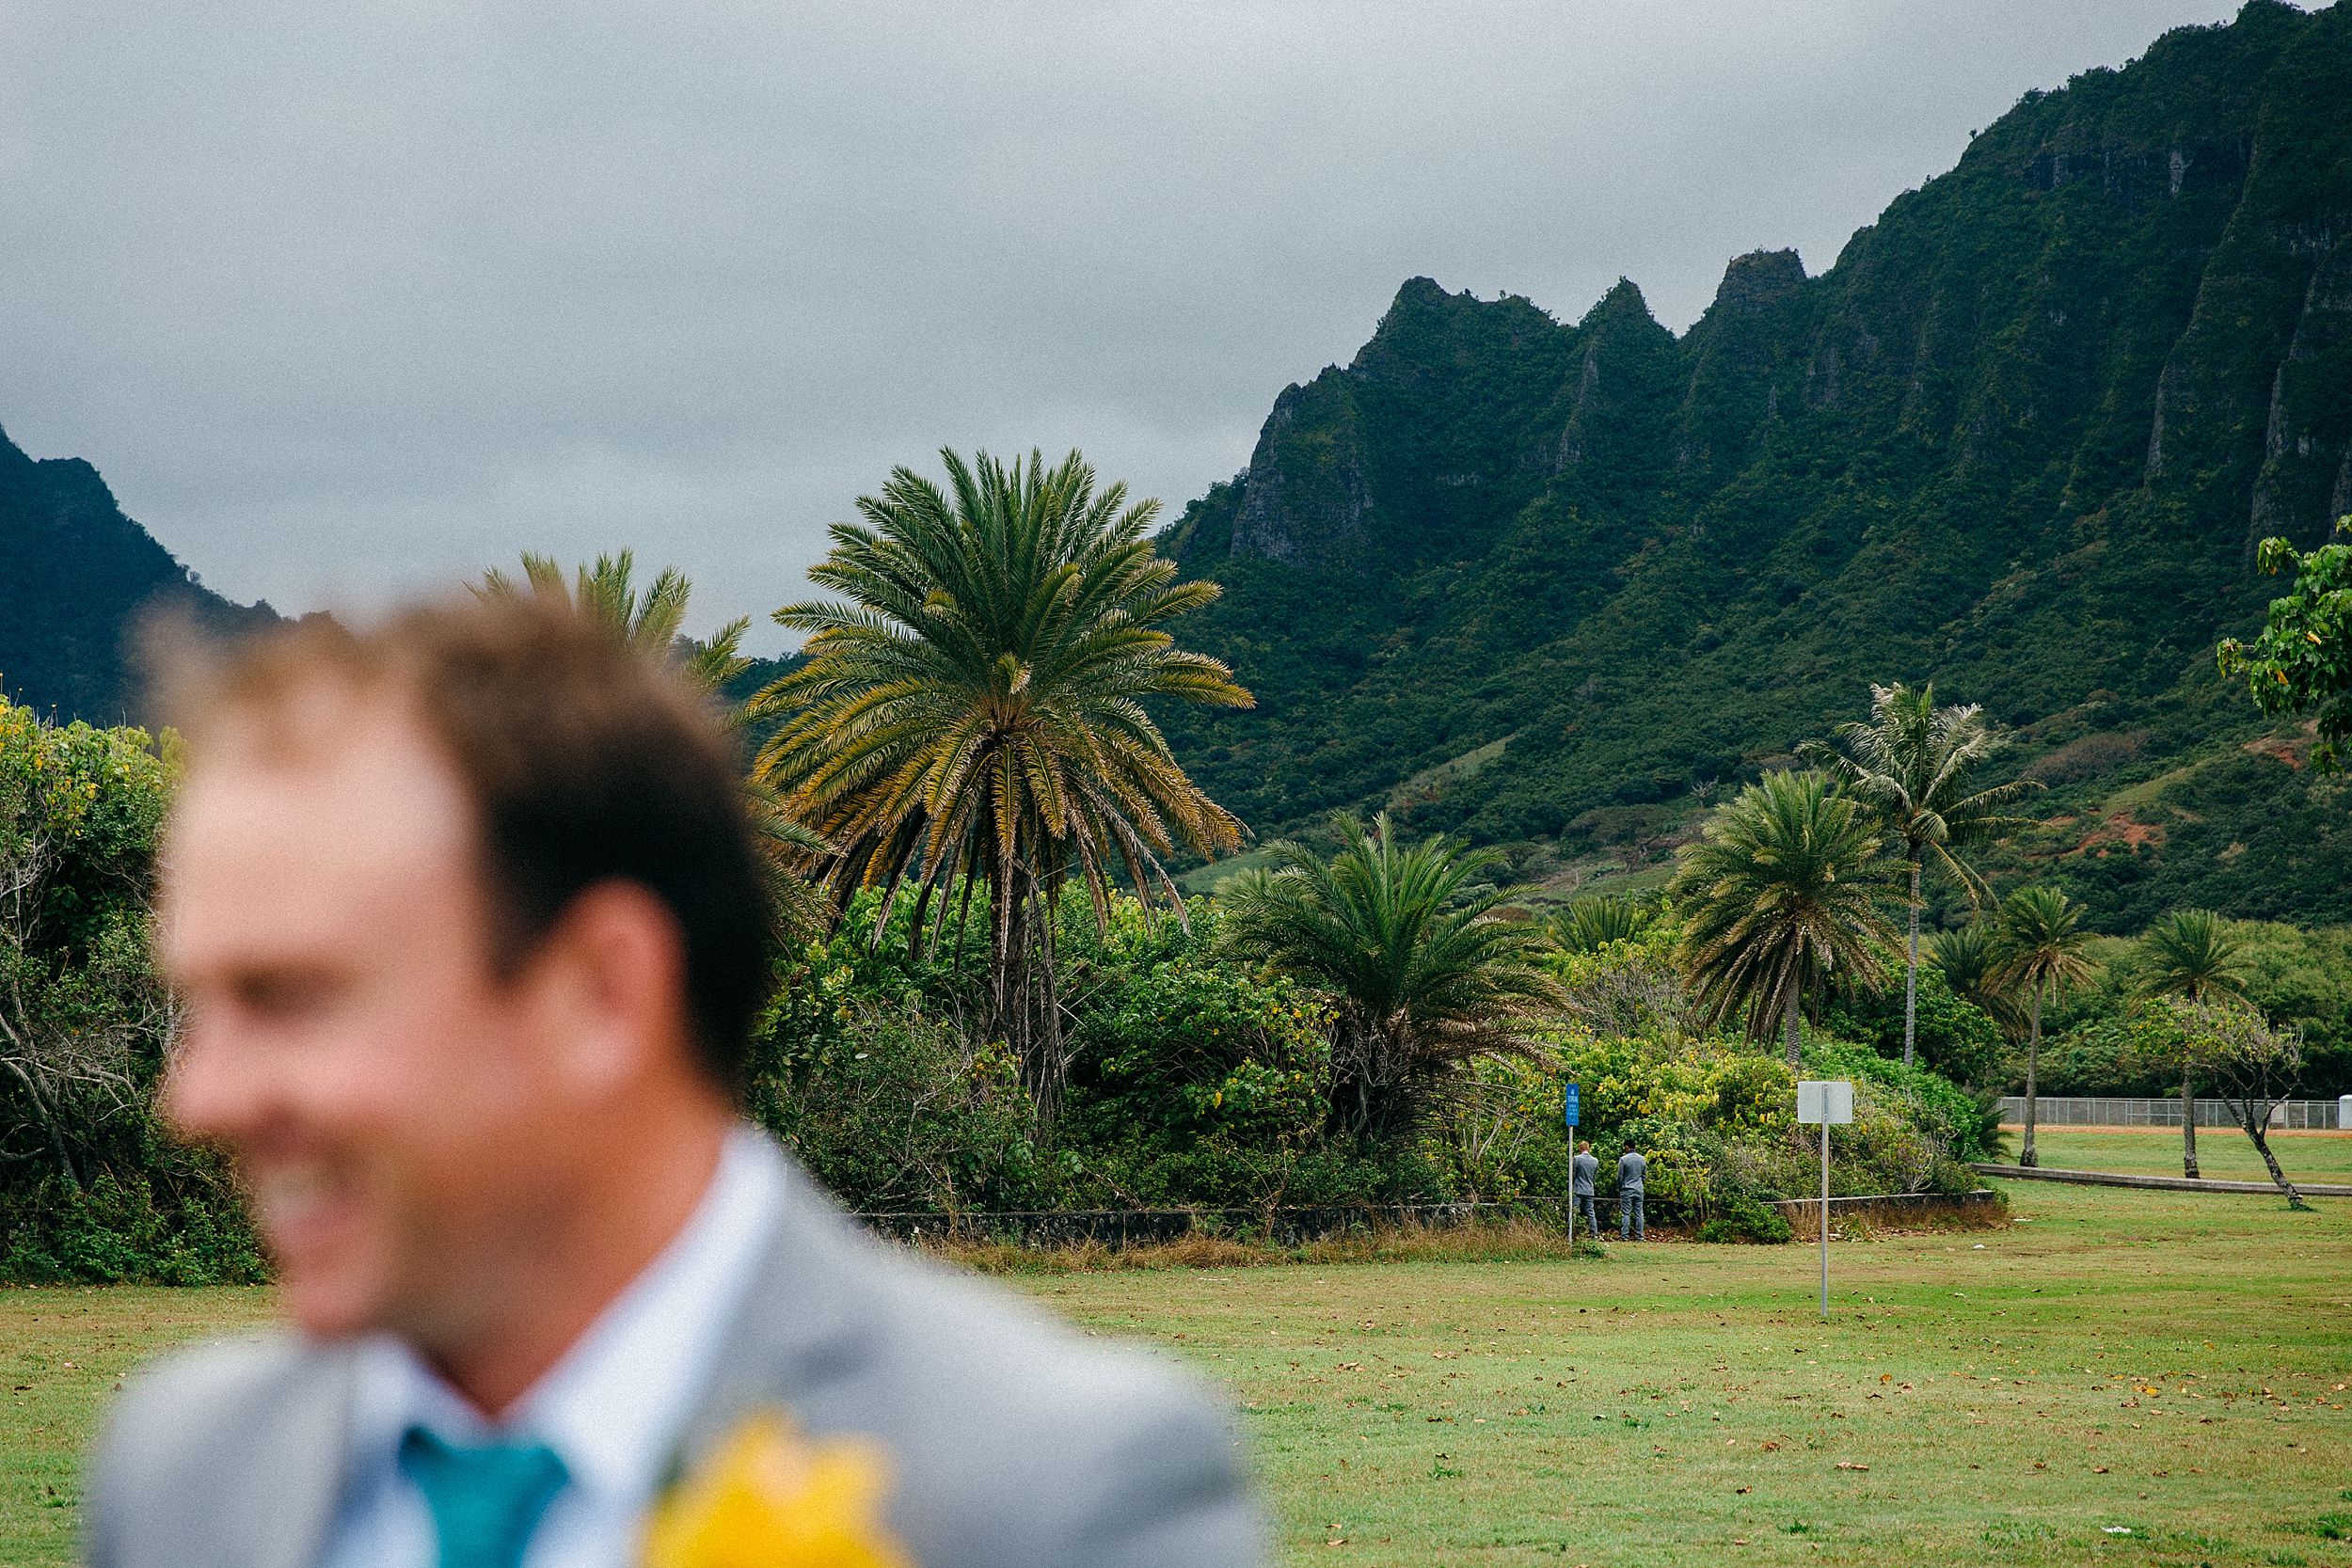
2015,439
76,574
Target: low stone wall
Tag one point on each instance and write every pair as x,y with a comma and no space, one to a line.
1141,1227
1890,1209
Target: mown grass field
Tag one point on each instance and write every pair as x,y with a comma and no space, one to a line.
2120,1377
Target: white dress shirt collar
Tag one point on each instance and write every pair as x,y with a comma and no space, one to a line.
612,1408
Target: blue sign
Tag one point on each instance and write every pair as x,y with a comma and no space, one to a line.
1569,1104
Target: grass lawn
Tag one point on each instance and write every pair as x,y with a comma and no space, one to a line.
2170,1365
2223,1152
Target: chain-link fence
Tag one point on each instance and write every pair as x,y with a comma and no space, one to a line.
2062,1110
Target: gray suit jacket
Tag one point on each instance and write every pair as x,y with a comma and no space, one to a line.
1016,1441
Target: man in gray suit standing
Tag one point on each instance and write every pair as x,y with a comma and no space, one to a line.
1631,1168
470,930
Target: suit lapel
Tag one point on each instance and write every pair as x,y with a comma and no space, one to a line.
296,1460
799,1326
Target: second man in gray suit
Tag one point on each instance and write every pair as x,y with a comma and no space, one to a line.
1631,1168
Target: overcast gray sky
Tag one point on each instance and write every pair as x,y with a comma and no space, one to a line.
352,297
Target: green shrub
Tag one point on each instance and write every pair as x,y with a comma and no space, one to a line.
1743,1219
133,1228
896,1110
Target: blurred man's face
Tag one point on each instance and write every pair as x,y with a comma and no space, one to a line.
386,1095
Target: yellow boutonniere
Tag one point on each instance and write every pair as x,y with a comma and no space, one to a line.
772,1499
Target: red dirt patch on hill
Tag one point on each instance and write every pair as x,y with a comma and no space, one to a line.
2295,754
2122,831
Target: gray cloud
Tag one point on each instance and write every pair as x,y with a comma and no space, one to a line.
348,299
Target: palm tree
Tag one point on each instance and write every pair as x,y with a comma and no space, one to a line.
1910,765
973,707
2041,942
1427,977
1970,958
1592,923
1779,892
651,621
2192,954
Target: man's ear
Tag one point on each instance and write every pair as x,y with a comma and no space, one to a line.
608,987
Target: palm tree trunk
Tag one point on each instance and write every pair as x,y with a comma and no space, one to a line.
1911,969
2025,1155
1046,1039
2188,1125
1789,1010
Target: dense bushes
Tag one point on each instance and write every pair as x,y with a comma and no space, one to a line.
89,1191
178,1223
1192,1080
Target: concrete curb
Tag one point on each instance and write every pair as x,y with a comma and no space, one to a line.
2159,1184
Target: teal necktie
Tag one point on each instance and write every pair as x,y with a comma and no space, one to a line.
485,1501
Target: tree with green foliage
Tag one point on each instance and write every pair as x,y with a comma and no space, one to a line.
1426,975
2192,954
2041,943
1910,765
651,620
2254,1066
973,707
81,1011
2302,661
1780,895
90,1187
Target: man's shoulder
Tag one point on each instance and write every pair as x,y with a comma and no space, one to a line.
1018,1438
975,1354
193,1436
185,1404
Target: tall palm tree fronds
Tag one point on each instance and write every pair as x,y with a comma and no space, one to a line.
2041,942
1970,959
1427,977
1780,893
973,705
1910,765
2194,955
651,621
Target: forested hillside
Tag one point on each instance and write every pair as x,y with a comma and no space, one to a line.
75,574
1557,585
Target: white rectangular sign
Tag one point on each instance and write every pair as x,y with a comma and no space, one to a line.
1824,1100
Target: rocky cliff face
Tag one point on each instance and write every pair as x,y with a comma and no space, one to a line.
75,574
2017,440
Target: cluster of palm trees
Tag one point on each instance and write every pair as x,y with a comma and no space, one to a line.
1784,894
1784,891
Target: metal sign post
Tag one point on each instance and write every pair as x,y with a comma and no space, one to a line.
1823,1102
1567,1110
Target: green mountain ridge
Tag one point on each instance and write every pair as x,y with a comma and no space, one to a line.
76,575
1557,586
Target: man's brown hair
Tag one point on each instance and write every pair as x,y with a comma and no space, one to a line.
585,762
